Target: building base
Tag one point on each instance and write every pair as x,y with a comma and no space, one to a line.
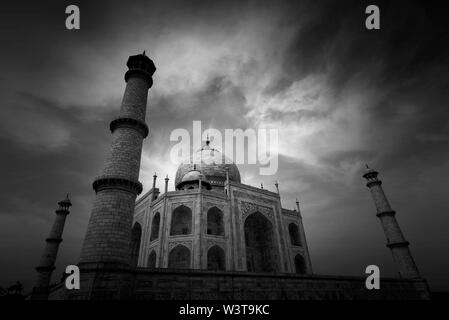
169,284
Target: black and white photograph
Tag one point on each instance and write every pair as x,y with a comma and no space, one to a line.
224,155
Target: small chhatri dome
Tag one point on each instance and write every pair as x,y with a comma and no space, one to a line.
212,164
193,177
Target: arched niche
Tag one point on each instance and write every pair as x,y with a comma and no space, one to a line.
216,259
136,235
181,222
300,264
155,226
152,260
293,231
179,257
215,222
261,252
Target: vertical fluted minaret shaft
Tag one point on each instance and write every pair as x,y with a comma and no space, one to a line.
108,234
48,258
395,239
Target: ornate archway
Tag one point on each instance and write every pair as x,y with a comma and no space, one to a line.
215,222
181,222
261,252
136,235
155,226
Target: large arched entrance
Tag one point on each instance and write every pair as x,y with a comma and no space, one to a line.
261,254
136,235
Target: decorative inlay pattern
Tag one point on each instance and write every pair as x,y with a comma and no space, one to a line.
212,242
258,198
139,214
175,242
248,208
210,205
188,204
153,246
293,214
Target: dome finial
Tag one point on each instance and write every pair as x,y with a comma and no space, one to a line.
368,168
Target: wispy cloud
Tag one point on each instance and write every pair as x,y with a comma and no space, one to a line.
339,95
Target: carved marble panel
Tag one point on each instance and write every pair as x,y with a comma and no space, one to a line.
173,243
248,208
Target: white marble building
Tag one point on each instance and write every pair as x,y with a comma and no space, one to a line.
215,222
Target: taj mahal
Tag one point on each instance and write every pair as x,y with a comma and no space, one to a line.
217,223
213,237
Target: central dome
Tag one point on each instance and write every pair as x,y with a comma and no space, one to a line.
212,164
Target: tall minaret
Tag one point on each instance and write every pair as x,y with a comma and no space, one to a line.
395,240
47,262
108,236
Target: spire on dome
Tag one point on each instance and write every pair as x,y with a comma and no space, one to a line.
368,169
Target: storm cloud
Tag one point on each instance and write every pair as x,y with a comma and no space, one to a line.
340,96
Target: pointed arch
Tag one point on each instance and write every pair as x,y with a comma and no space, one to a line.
215,222
179,257
152,260
136,235
216,259
261,254
295,238
155,223
181,222
300,264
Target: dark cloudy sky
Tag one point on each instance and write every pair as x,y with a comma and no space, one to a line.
340,95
